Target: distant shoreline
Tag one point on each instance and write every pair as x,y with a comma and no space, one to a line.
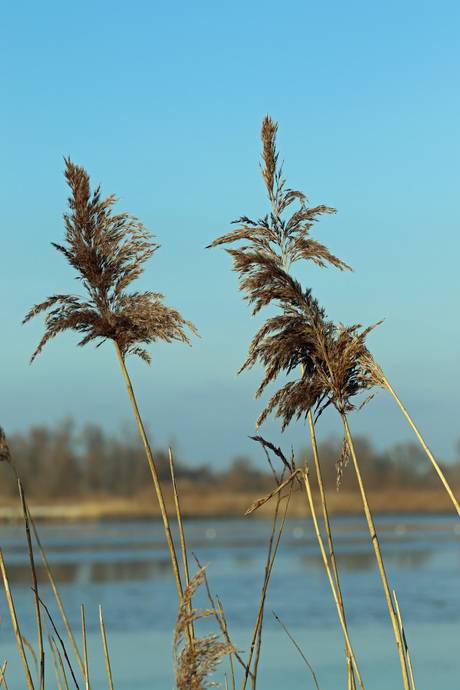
197,503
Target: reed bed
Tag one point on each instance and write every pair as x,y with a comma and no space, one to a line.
321,364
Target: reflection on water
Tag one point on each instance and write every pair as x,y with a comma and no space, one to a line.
126,566
357,561
136,551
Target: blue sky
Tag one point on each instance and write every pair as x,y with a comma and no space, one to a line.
162,103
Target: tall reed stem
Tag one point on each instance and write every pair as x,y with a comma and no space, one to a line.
378,555
338,603
14,619
34,586
338,591
159,492
156,481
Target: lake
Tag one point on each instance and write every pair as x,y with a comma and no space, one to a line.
124,567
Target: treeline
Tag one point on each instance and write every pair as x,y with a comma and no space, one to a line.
64,461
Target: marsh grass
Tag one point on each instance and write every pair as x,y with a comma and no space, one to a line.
325,364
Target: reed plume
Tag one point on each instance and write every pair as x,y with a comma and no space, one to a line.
194,663
4,449
108,252
328,359
274,239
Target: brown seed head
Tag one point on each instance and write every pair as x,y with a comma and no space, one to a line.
108,252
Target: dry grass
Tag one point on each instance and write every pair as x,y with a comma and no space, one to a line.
194,663
202,501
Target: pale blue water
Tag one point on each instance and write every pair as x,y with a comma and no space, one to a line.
125,568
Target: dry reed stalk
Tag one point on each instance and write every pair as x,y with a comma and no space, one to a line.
106,651
56,594
297,647
190,633
34,586
327,525
272,551
53,654
271,554
108,251
403,634
374,370
378,554
14,620
154,473
85,651
2,675
219,616
350,653
62,643
5,455
227,637
60,663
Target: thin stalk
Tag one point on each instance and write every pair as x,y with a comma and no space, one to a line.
2,676
154,473
225,630
35,587
50,576
182,538
61,663
106,651
331,546
14,619
56,593
219,615
297,647
256,639
378,555
425,447
53,654
350,652
406,648
62,643
259,634
85,651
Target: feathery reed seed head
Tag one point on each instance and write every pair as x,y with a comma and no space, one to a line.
4,449
194,663
329,359
108,251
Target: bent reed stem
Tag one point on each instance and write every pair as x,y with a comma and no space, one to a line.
424,446
378,554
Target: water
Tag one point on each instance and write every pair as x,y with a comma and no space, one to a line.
124,567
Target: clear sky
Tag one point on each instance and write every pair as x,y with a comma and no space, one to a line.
162,103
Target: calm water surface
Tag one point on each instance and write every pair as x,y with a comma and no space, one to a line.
124,567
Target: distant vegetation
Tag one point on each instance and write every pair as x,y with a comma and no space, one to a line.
65,460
